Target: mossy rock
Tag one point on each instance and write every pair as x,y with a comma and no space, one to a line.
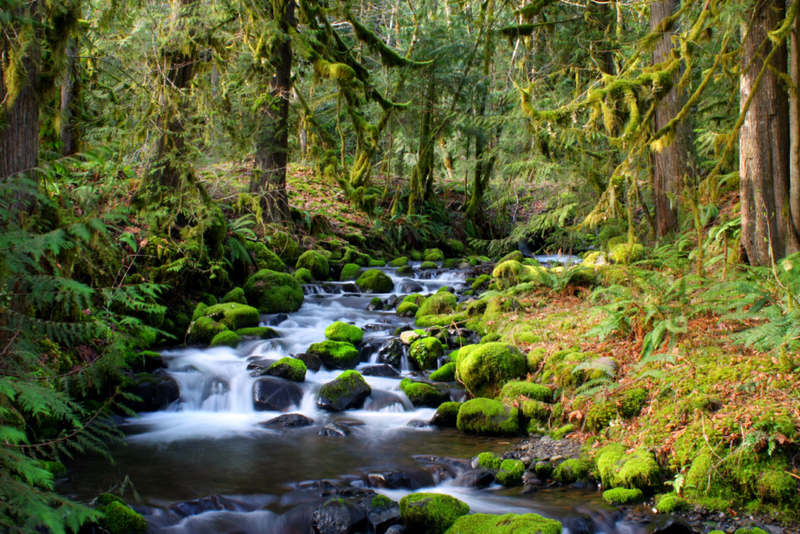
626,253
234,315
351,255
490,338
433,254
264,258
336,354
510,473
316,263
234,295
273,292
405,270
571,471
454,247
426,352
535,410
399,262
481,283
623,496
515,255
526,337
438,304
670,504
505,524
623,405
376,263
446,415
121,519
430,513
446,373
199,311
351,271
510,273
488,417
345,392
340,331
288,368
203,330
304,276
484,369
375,304
593,259
407,309
257,332
415,255
516,390
560,432
374,281
226,338
428,266
618,468
422,394
209,300
489,460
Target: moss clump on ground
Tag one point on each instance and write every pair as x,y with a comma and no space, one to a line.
446,373
511,273
426,351
264,258
259,332
562,431
489,460
484,369
511,472
288,368
336,354
535,410
433,254
446,414
626,253
488,417
571,471
623,496
422,394
623,405
226,338
374,281
438,304
516,390
340,331
234,295
619,468
407,309
481,282
204,329
273,292
671,503
234,315
351,271
121,519
314,262
399,262
505,524
431,513
304,276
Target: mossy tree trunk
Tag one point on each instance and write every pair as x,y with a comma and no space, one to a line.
768,231
422,177
70,102
794,122
676,160
483,167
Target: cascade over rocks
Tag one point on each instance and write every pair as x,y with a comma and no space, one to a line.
156,391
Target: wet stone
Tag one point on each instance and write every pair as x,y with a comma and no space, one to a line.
390,480
277,319
312,361
289,420
275,394
333,430
475,478
379,369
339,516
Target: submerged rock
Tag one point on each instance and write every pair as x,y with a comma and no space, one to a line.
289,420
391,352
275,394
475,478
339,516
333,430
380,369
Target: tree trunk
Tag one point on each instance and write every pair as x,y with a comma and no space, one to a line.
475,202
423,172
673,162
794,122
272,143
767,231
70,102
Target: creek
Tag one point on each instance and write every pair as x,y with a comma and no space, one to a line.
205,465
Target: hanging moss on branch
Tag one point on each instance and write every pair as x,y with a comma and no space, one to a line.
533,9
389,57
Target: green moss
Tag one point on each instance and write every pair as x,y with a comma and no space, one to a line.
107,498
428,266
608,461
626,253
671,503
260,332
422,394
426,321
505,524
562,431
381,501
290,369
617,467
374,281
571,471
447,414
623,405
517,390
351,255
431,513
340,331
488,417
336,354
534,359
121,519
623,496
415,255
510,273
264,258
446,373
536,410
342,385
511,472
426,351
399,262
273,292
234,295
203,330
210,300
481,282
234,315
414,298
484,369
227,339
433,254
351,271
407,309
438,304
776,486
454,247
304,276
199,311
314,262
376,263
491,338
489,460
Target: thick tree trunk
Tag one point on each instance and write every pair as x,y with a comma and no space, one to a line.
423,172
767,231
794,122
70,102
480,178
19,137
272,144
676,160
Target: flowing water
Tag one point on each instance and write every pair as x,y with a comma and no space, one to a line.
209,445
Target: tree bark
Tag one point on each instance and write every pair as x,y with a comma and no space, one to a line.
673,162
272,143
794,122
70,102
767,231
423,172
19,137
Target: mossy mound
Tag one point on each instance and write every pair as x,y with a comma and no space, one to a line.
489,460
505,524
433,254
484,369
264,258
304,276
670,504
426,352
446,373
430,513
273,292
234,315
121,519
204,329
336,354
374,281
376,263
618,468
340,331
234,295
288,368
258,332
226,338
399,262
428,266
511,273
481,283
622,405
422,394
510,473
517,390
623,496
488,417
345,392
535,410
626,253
351,271
407,309
571,471
438,304
446,414
314,262
454,247
352,255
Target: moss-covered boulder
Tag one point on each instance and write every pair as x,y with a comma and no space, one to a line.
257,332
517,390
668,504
351,271
304,276
623,496
422,394
399,262
426,352
121,519
264,258
407,309
510,473
433,254
428,266
226,338
273,292
446,415
340,331
235,295
454,248
376,263
335,354
488,417
430,513
203,330
484,369
626,253
505,524
351,255
234,315
347,392
571,471
619,468
438,304
316,263
489,460
446,373
374,281
288,368
511,273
